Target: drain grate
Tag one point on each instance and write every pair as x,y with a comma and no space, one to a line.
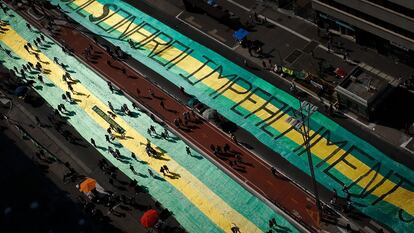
293,56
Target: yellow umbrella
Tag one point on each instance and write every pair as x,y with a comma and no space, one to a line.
87,185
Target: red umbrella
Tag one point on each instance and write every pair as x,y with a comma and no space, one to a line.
149,218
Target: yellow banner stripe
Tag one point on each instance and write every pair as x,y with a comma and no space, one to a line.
200,195
398,198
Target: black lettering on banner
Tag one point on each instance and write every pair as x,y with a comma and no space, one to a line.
286,110
278,115
268,101
342,159
129,18
127,32
208,60
396,186
69,3
265,107
329,142
179,60
158,41
230,78
218,70
243,83
83,6
105,13
147,37
247,98
145,27
118,11
368,189
402,218
173,45
301,148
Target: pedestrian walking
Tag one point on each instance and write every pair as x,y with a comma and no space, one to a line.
93,142
39,41
274,171
134,106
162,171
69,96
187,149
235,229
38,123
166,168
163,135
118,153
166,133
107,138
70,87
131,168
150,172
111,88
59,108
213,148
151,93
152,128
274,222
226,148
109,130
149,132
264,65
176,123
110,106
292,86
62,106
133,156
40,78
64,97
233,137
162,104
238,158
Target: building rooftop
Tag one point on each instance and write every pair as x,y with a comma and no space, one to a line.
363,85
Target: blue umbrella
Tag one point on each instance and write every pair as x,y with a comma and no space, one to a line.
240,34
21,91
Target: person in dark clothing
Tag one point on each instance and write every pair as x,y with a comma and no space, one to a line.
166,168
187,149
93,142
107,138
162,171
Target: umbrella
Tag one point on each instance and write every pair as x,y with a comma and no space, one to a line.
21,91
240,34
340,72
87,185
149,218
210,114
